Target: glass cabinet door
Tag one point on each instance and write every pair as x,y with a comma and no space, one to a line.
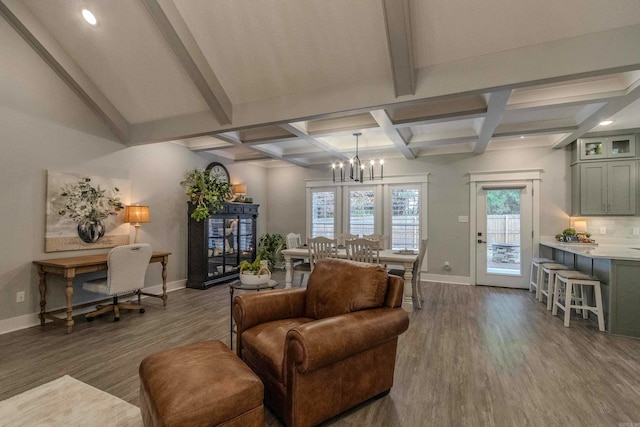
245,239
215,247
622,146
230,244
592,148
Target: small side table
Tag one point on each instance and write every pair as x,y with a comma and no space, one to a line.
236,284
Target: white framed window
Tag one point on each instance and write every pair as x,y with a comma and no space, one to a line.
395,207
323,210
406,207
362,210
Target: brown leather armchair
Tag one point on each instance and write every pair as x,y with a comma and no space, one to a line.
322,350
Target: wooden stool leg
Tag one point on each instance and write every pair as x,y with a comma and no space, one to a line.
599,307
541,275
556,296
533,264
585,302
567,302
550,286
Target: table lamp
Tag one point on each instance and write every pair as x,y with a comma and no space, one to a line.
136,214
240,190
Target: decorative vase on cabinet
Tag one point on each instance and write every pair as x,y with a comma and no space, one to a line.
219,243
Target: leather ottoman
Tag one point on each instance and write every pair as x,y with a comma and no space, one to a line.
201,384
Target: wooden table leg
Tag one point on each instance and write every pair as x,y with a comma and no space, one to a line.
69,292
287,271
407,300
43,293
164,280
231,317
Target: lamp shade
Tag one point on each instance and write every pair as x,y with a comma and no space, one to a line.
240,189
136,214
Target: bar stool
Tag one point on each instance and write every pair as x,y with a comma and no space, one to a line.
570,280
549,270
535,279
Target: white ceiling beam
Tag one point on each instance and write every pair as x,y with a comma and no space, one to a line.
443,141
528,66
392,133
398,25
609,109
495,110
278,156
297,130
177,33
54,55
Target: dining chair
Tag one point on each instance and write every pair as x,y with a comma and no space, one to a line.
322,247
126,268
298,264
343,237
380,238
363,250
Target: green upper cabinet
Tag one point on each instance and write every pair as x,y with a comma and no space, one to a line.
609,147
604,188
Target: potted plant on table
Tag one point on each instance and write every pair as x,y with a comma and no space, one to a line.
270,247
206,193
254,273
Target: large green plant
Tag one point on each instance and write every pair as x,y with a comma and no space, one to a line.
269,247
205,192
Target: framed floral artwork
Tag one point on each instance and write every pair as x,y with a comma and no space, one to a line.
85,212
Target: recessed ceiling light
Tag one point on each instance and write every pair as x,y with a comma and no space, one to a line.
605,122
88,16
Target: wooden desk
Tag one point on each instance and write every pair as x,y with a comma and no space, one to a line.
387,256
70,267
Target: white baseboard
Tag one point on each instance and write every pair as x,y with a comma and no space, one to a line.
442,278
29,320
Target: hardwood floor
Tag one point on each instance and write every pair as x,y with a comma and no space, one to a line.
473,356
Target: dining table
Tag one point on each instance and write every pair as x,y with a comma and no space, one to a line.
405,258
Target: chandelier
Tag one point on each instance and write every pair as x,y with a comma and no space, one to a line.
357,167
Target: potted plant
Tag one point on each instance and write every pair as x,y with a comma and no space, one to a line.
88,206
254,273
206,193
270,247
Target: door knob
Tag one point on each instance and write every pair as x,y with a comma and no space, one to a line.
482,241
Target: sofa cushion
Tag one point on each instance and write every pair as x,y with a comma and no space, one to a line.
339,286
263,345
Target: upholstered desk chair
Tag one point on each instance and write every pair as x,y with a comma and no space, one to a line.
127,266
299,264
363,250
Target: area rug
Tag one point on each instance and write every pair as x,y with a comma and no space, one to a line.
67,402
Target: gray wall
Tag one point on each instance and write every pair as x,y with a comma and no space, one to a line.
448,197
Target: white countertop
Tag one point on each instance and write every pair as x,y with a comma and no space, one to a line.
598,250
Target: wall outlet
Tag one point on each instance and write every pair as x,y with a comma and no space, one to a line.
603,230
20,296
636,231
446,266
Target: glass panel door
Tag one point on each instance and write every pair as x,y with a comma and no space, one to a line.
505,240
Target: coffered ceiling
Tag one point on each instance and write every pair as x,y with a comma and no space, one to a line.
291,81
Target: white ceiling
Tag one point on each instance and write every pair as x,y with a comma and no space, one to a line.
247,80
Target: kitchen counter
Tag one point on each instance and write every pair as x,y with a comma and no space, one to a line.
591,250
617,266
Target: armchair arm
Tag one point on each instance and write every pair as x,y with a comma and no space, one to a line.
326,341
260,307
